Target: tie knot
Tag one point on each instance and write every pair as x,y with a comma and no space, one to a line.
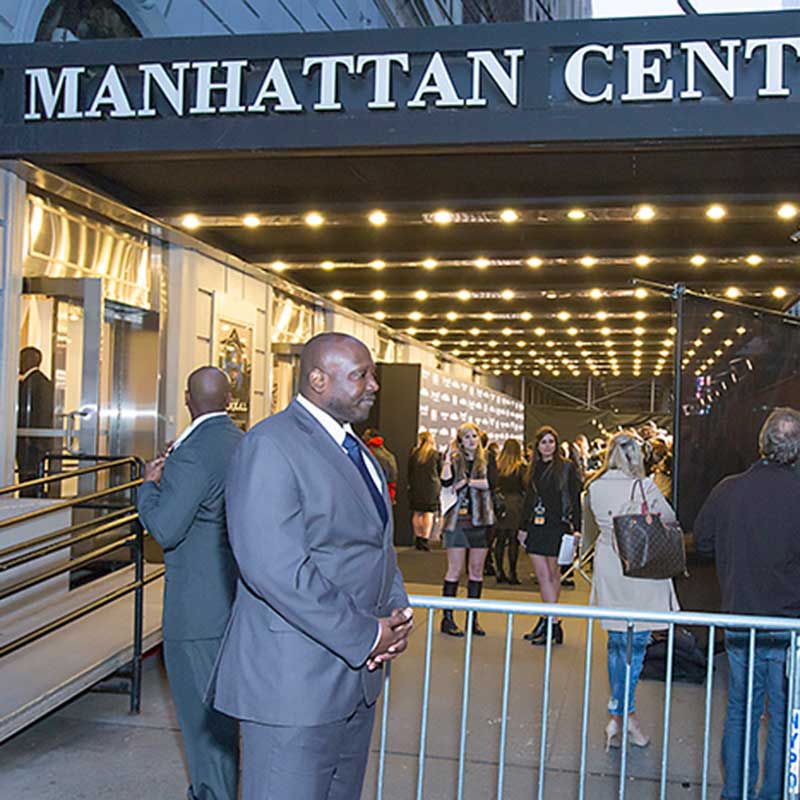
351,443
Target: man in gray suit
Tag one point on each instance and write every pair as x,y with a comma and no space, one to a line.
320,604
182,505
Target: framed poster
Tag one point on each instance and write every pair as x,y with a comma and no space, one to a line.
234,332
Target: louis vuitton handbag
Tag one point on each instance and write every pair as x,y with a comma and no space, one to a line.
646,546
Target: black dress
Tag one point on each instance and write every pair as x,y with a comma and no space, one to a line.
551,508
424,483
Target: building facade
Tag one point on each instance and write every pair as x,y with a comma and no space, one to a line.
71,20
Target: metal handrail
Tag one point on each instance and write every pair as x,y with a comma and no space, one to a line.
61,532
599,613
53,626
75,501
75,473
87,558
56,546
55,541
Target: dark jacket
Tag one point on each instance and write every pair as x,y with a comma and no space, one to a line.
185,514
511,488
561,497
34,410
424,483
750,523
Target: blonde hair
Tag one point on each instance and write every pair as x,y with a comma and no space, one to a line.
623,452
480,451
510,458
425,449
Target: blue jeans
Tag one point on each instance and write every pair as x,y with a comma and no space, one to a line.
617,649
769,680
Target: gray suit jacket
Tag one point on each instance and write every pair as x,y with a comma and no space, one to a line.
185,514
317,568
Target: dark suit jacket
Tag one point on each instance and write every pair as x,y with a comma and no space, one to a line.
34,410
317,568
185,514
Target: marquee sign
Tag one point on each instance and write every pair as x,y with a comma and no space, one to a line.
240,86
726,77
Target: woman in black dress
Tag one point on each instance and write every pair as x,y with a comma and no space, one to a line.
466,523
509,494
551,508
424,487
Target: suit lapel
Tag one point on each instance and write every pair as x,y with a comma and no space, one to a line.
340,463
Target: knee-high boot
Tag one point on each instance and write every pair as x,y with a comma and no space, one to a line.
513,555
450,589
474,589
499,549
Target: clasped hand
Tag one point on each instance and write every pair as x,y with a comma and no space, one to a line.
393,640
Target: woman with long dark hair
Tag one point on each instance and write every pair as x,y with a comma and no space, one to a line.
551,508
509,492
424,488
465,525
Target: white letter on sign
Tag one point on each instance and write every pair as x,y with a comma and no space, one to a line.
232,86
573,74
723,74
327,79
40,86
436,80
639,71
506,82
276,86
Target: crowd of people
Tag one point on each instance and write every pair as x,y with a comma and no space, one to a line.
283,598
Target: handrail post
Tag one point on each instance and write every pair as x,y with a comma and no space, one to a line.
138,604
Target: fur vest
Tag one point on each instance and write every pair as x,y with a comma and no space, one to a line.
482,506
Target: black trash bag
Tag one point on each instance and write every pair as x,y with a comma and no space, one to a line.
689,662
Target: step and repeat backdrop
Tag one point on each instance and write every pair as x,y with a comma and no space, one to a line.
445,403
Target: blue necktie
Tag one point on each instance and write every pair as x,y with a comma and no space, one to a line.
357,457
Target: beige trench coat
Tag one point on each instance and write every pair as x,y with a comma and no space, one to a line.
605,498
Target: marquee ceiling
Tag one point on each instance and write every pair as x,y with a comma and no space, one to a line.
522,263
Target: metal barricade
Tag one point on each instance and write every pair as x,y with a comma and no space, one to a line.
752,627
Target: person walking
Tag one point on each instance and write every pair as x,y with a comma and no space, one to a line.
551,508
509,495
466,523
320,605
182,505
749,524
424,488
609,491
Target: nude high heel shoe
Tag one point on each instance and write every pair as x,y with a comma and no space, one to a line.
635,735
613,731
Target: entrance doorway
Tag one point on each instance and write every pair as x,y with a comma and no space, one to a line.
96,394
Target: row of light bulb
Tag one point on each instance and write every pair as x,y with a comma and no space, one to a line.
378,218
534,262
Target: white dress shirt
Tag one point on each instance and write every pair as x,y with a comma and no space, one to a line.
338,432
196,423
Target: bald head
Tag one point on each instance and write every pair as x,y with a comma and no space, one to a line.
207,390
338,375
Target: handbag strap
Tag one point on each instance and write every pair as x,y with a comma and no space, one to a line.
638,482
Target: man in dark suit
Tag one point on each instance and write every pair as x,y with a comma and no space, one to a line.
34,410
182,505
320,603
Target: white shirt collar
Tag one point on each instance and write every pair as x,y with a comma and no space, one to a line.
336,431
26,374
196,423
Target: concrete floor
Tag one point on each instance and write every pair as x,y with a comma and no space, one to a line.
92,748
